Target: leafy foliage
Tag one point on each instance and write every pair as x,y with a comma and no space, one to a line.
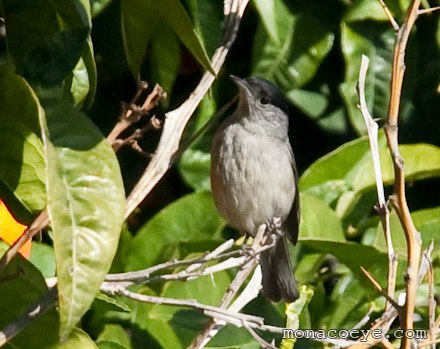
65,67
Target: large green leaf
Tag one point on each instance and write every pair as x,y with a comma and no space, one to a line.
319,221
86,204
22,173
178,20
207,18
291,51
427,223
140,18
165,57
193,217
344,175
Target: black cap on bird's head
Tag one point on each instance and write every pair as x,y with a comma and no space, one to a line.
263,91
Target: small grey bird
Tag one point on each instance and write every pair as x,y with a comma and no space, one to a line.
254,177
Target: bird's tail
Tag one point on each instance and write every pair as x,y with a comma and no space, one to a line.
278,279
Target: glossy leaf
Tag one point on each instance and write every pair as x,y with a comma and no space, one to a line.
427,223
345,174
319,221
194,166
139,20
290,60
86,204
165,57
113,335
80,83
158,238
22,180
207,19
178,20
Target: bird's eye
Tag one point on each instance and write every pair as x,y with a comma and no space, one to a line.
265,100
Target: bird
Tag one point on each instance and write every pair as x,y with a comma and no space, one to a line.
254,177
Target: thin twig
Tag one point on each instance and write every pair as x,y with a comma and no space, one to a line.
142,275
428,10
389,15
380,289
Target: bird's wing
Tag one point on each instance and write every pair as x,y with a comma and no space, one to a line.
292,222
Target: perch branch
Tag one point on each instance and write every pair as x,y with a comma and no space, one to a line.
398,199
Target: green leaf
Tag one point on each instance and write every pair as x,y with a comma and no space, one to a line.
310,102
43,257
335,165
345,176
86,204
293,312
293,58
194,166
80,83
21,286
366,10
319,221
113,336
89,61
193,217
22,181
165,57
140,19
110,345
427,223
77,339
268,12
207,18
178,20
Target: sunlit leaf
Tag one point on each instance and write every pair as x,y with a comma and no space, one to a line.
86,204
158,235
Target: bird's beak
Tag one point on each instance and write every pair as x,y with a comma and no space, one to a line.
241,83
